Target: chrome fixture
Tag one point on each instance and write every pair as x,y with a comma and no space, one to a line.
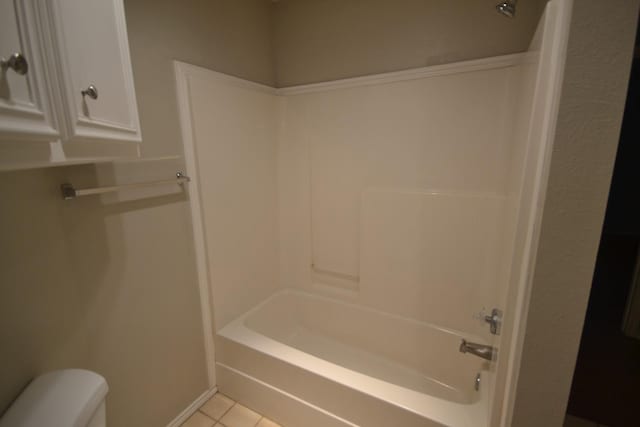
476,384
485,351
17,62
69,192
507,8
91,92
494,320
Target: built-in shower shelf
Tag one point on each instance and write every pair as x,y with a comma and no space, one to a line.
334,279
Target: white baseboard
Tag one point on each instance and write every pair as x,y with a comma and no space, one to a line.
193,407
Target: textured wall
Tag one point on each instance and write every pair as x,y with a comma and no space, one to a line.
589,120
333,39
111,286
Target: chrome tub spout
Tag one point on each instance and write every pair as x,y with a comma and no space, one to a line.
485,351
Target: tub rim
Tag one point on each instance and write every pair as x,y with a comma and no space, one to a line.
440,410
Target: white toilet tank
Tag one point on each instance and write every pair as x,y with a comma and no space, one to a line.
66,398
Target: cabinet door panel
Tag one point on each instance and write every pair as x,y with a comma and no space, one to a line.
24,110
93,46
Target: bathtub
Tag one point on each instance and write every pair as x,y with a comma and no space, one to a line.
308,360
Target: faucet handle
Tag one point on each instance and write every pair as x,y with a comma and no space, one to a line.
494,320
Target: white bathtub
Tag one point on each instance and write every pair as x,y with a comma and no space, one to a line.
350,364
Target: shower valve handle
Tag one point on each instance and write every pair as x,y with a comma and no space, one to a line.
494,320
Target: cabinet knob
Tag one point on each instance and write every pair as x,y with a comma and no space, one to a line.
91,92
17,62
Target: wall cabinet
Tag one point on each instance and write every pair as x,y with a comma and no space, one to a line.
26,113
66,80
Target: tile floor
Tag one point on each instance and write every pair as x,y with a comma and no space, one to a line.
220,411
571,421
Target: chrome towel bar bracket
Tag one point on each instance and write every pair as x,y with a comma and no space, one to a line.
69,192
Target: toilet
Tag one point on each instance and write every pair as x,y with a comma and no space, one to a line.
65,398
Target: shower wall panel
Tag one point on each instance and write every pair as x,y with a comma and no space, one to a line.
234,131
392,194
396,193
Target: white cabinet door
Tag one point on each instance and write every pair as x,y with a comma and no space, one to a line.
91,40
25,112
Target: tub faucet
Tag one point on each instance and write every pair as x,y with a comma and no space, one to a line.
485,351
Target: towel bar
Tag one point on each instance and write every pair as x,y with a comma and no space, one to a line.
69,192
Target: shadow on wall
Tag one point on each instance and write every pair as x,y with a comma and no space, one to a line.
49,275
75,285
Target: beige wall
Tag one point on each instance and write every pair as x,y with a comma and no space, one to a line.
111,286
594,91
229,36
332,39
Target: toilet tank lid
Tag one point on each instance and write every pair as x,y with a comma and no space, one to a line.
65,398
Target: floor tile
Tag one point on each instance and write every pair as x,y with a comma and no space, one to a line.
217,406
240,416
198,419
266,422
571,421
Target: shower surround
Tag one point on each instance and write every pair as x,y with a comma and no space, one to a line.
356,231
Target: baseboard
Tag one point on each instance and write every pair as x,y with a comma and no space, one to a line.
274,403
193,407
